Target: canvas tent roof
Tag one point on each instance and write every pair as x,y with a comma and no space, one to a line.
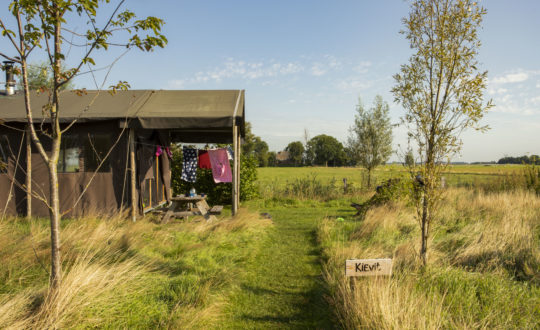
190,115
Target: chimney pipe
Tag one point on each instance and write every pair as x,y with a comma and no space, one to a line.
10,82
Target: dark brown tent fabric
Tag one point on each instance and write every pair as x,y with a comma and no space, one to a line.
158,118
107,191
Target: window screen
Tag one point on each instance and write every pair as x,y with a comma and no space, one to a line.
96,147
68,161
4,152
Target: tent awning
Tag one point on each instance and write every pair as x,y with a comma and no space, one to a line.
190,115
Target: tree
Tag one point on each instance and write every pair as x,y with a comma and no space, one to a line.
324,150
40,77
441,91
370,138
272,160
296,152
43,25
408,159
254,146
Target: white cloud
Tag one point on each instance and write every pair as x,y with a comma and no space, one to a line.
495,91
362,67
233,69
511,78
353,85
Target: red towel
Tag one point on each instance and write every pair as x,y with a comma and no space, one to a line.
221,169
204,159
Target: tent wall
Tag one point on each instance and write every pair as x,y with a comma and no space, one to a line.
107,191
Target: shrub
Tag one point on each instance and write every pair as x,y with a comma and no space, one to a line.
532,178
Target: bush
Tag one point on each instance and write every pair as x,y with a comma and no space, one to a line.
218,193
532,178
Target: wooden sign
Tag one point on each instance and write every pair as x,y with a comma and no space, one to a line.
368,267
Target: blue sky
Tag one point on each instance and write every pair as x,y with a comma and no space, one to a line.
304,64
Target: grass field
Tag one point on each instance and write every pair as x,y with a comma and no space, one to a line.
269,176
254,273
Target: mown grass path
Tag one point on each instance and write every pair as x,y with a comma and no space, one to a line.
283,287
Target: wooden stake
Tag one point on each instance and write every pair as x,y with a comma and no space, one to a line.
134,203
238,166
235,167
28,174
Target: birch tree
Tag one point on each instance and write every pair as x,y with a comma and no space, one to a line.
441,90
43,26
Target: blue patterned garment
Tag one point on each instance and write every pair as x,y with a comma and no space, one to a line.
189,168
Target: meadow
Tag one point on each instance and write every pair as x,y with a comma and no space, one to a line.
484,262
279,264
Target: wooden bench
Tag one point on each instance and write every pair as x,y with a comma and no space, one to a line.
216,209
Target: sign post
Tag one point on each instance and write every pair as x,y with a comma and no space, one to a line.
368,267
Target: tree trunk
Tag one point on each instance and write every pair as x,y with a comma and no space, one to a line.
28,174
54,212
369,178
425,219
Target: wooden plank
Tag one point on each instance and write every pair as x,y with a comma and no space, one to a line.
368,267
216,209
204,211
188,199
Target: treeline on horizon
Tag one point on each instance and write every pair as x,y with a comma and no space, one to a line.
325,150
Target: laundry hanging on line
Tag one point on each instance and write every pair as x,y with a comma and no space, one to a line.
221,169
204,160
189,166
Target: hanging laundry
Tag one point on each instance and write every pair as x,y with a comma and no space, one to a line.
221,169
189,168
230,153
204,160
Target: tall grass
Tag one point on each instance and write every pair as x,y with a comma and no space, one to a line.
484,265
119,274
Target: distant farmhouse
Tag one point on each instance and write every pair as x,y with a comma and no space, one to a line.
283,158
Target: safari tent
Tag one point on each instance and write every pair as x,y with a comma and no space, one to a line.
108,159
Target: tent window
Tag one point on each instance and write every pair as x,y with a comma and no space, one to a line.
96,147
68,161
4,152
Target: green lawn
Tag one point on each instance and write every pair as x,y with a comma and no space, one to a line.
282,286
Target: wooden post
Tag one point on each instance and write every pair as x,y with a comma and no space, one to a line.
238,166
235,169
28,174
134,203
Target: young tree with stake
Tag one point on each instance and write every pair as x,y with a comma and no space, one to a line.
43,25
441,91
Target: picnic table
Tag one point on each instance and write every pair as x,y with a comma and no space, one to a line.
184,206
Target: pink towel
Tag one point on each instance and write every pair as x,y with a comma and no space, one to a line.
221,170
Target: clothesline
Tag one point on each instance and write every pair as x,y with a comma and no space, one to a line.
182,144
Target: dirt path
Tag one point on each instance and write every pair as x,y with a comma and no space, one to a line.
283,288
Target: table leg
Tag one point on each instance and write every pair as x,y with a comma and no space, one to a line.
169,213
203,208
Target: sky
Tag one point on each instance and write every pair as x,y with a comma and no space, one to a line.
304,65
